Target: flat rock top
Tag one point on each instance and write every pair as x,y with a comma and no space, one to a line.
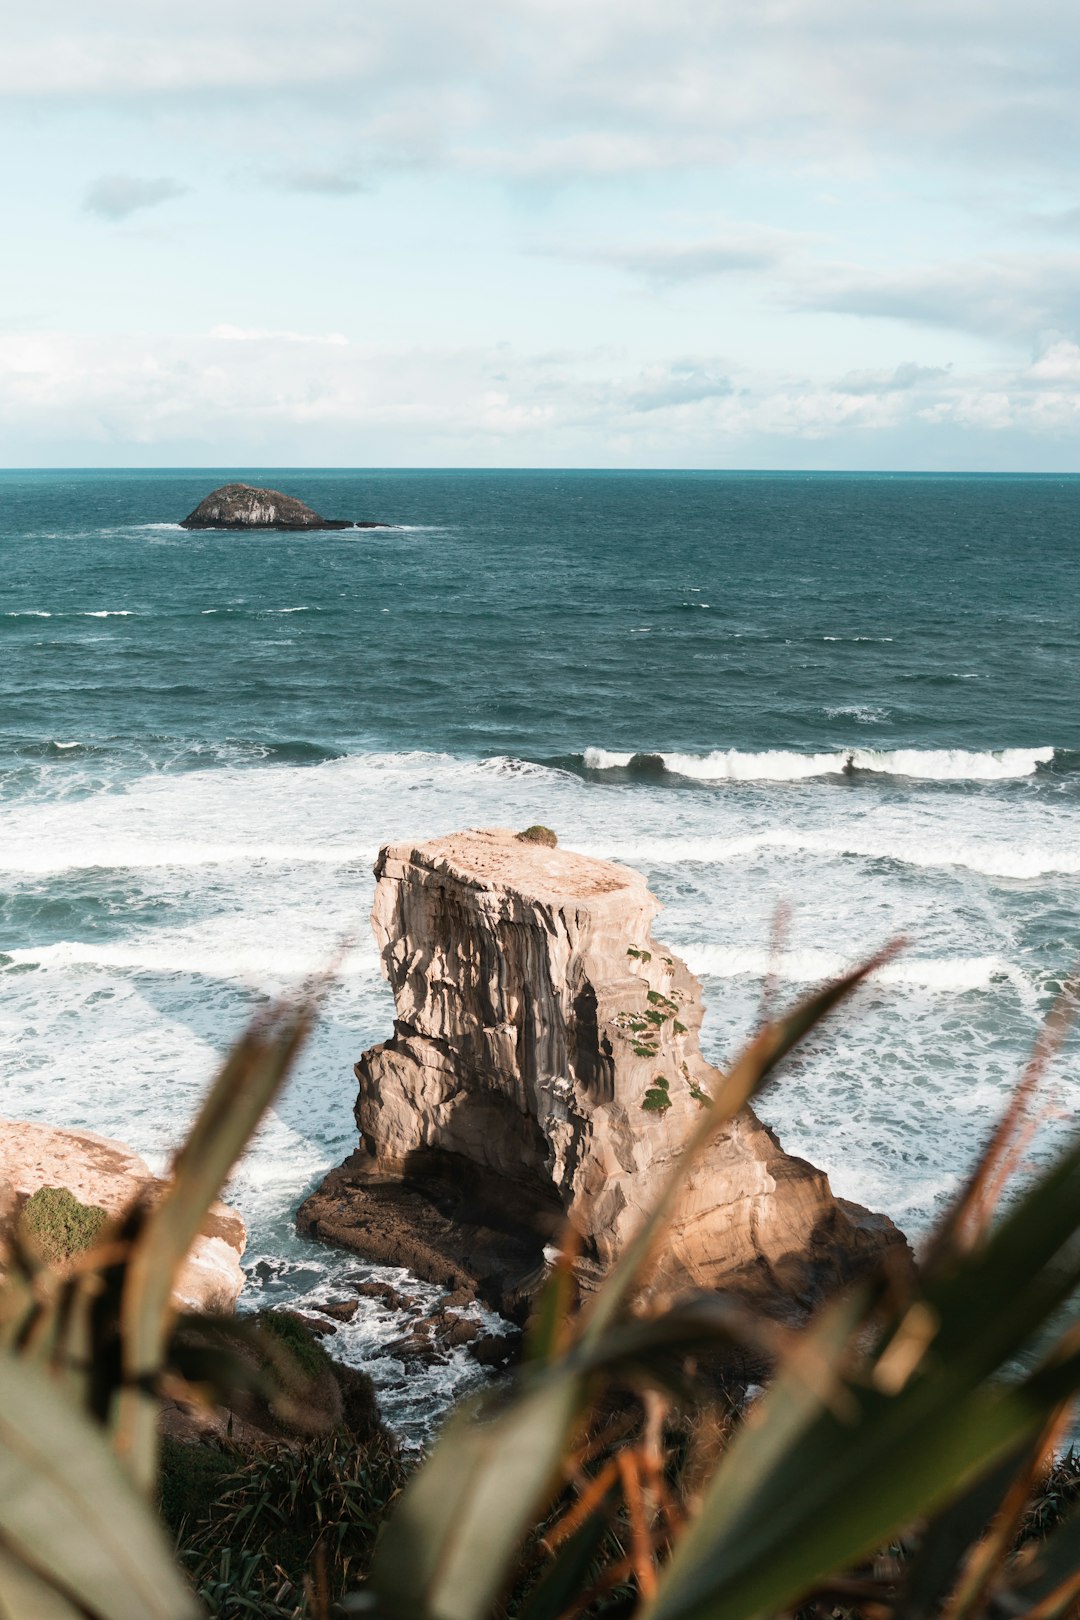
496,858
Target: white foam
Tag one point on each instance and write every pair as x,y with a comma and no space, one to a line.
992,859
200,956
136,854
106,613
783,765
809,966
28,613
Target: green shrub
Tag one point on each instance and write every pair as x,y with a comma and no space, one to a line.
538,835
58,1225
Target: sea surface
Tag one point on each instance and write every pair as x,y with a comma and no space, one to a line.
859,696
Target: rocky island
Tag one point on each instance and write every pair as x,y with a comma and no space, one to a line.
544,1071
242,506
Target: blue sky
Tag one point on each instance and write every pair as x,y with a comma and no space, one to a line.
700,233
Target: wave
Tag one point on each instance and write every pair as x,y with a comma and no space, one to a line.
946,974
133,855
995,860
28,613
783,765
191,957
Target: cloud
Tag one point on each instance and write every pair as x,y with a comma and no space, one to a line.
678,385
264,401
264,334
900,379
547,87
1003,295
117,196
320,182
669,263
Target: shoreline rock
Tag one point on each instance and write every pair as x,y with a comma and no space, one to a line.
544,1071
101,1172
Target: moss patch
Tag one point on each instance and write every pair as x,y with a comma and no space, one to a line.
58,1225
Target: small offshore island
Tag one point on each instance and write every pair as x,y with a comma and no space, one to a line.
243,506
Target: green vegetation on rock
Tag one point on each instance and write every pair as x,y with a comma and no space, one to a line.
58,1225
538,835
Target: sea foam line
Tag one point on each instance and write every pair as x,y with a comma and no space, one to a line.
997,860
134,856
807,966
167,957
784,765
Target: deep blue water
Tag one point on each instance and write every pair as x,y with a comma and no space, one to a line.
538,614
862,689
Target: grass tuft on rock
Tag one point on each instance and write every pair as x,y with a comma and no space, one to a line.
58,1225
538,835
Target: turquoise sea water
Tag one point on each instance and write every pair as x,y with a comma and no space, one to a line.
863,692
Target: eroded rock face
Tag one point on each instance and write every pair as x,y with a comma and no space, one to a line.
545,1068
241,506
99,1171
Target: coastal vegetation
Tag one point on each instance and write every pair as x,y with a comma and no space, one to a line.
58,1224
897,1465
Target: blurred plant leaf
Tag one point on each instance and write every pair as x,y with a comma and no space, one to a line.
451,1544
745,1077
69,1513
243,1090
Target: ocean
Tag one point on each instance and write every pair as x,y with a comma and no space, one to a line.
852,696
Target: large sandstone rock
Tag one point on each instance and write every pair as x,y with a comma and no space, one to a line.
240,506
99,1171
545,1069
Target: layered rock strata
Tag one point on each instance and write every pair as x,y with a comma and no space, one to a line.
101,1172
545,1071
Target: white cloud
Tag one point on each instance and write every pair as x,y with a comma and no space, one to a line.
305,400
117,196
600,86
263,334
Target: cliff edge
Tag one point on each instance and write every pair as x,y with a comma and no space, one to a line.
545,1068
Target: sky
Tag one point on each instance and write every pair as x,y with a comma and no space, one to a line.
615,233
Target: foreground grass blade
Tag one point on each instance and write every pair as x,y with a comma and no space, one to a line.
25,1595
246,1085
450,1546
69,1513
746,1076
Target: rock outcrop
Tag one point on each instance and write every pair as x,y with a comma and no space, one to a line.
544,1070
106,1174
240,506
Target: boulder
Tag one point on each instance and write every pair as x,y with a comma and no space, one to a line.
107,1175
240,506
545,1072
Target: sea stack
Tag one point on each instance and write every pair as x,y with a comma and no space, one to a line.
545,1070
241,506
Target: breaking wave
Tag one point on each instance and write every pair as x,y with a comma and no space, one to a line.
782,765
948,974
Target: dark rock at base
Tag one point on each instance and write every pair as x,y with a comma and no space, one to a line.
242,506
342,1310
371,523
496,1350
438,1229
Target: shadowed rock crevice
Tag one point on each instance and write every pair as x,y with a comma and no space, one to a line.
545,1070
